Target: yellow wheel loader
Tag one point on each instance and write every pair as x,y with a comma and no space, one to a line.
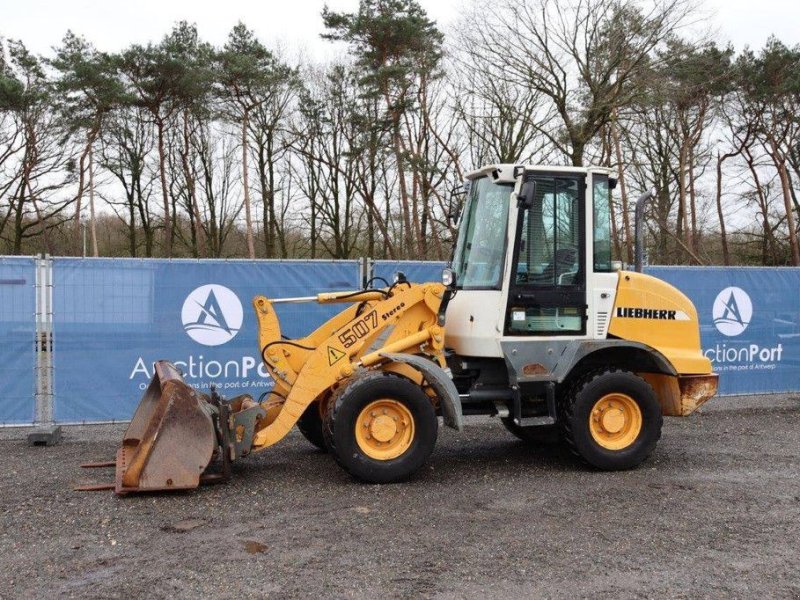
533,323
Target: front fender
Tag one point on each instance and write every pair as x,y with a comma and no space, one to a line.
441,383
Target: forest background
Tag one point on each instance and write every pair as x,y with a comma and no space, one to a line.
181,148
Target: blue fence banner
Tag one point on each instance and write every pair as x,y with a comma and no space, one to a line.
749,323
18,334
114,317
416,271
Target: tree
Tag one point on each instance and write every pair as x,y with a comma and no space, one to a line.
394,44
158,76
771,85
126,142
38,172
247,76
581,57
693,79
86,90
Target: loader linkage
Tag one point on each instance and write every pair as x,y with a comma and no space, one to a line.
177,432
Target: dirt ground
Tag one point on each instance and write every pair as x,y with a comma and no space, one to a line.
715,512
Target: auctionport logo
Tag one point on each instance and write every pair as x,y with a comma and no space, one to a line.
732,311
212,315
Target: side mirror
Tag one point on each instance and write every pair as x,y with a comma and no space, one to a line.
527,195
457,196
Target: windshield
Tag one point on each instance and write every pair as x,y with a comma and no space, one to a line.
478,259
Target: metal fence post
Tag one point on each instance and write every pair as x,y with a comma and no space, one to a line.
46,433
50,346
38,354
365,267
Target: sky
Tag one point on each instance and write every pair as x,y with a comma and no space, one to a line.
296,24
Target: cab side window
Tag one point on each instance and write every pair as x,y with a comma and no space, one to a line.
548,249
548,296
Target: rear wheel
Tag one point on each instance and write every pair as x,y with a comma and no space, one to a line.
380,428
542,435
611,419
310,425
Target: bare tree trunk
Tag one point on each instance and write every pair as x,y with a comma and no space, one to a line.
272,220
251,248
90,137
692,201
313,228
623,192
780,165
682,229
30,159
93,223
769,238
726,256
790,222
162,171
370,233
401,178
191,190
39,217
687,249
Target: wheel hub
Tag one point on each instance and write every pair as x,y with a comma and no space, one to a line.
384,429
615,421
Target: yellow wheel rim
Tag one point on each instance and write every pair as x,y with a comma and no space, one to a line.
384,429
615,421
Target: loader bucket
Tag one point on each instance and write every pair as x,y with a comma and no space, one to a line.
170,440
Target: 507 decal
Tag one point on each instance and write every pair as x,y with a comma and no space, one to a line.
359,329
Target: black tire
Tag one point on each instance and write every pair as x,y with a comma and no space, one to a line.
577,406
341,416
542,435
310,425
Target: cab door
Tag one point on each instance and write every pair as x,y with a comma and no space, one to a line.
547,288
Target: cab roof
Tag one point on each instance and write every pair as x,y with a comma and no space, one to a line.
504,172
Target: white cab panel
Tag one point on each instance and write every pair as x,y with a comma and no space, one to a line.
474,323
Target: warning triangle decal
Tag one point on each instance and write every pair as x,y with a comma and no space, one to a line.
334,355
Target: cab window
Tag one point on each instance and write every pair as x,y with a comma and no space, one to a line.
549,241
480,251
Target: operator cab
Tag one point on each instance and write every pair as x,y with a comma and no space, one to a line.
533,241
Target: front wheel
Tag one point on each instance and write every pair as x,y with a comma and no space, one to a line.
381,428
611,419
310,425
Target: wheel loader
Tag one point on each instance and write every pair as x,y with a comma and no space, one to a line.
532,322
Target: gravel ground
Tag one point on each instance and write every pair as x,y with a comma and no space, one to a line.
714,512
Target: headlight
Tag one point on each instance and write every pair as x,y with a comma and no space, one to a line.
449,278
400,277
